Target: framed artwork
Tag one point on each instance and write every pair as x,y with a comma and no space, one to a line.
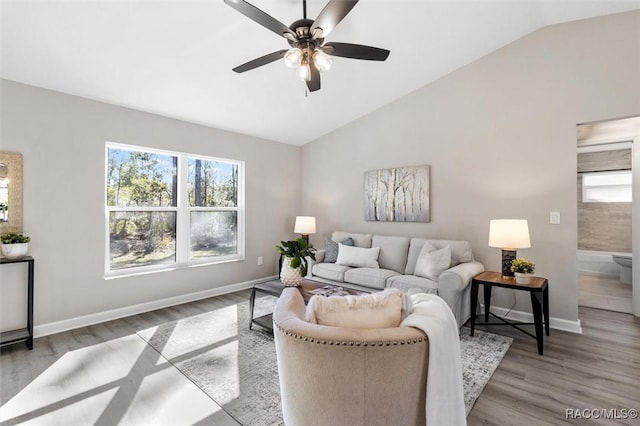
397,195
10,192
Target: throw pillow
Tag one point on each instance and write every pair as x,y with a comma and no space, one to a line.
376,310
331,249
431,264
358,257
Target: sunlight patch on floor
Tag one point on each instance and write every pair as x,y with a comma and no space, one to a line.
122,381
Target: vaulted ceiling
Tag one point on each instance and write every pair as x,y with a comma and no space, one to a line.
174,58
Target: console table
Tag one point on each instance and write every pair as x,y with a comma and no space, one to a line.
538,288
22,334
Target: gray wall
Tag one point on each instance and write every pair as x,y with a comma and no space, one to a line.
62,139
604,226
500,136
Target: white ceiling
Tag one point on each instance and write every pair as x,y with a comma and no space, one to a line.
174,58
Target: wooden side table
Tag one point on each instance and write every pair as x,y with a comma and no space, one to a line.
538,288
22,334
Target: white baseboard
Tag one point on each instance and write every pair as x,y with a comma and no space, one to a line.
83,321
555,323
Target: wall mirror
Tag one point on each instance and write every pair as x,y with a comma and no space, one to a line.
10,192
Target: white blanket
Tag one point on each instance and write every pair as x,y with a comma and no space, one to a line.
445,397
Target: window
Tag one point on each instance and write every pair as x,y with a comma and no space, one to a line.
168,209
607,187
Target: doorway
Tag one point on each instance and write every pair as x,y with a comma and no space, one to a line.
605,186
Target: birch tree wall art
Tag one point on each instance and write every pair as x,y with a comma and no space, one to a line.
397,195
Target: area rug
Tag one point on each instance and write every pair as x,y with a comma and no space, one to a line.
237,367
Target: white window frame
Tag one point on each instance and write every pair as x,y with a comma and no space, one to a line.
183,214
585,187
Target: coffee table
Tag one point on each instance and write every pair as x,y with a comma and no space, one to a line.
308,289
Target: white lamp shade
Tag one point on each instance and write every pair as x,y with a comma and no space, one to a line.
509,233
305,225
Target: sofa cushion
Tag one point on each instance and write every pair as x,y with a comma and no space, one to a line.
431,263
460,252
393,252
376,310
331,249
370,277
330,271
413,284
358,257
360,240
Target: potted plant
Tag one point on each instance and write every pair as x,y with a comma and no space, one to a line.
14,245
294,265
523,270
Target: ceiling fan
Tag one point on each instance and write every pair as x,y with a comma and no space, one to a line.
308,52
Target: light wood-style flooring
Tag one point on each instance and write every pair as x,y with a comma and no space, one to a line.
604,293
598,369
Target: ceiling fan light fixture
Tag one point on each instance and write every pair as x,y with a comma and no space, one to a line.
308,55
293,57
322,60
304,72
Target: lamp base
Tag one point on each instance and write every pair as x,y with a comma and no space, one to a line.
508,255
305,237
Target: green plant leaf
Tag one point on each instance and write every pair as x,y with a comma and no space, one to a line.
295,261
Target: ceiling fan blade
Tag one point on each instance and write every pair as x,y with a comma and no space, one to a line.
262,18
356,51
330,16
314,83
258,62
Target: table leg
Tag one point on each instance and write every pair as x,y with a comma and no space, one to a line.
30,304
545,309
252,301
536,307
487,301
474,304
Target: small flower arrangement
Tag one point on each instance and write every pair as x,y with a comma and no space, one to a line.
522,266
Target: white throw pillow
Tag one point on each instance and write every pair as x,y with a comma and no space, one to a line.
358,257
431,263
375,310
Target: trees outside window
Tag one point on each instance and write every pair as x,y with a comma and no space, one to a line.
213,204
167,209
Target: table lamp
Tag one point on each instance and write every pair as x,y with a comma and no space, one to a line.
305,225
509,235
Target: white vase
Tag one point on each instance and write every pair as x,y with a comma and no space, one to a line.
14,251
290,277
523,278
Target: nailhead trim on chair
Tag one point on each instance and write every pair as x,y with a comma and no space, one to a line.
347,343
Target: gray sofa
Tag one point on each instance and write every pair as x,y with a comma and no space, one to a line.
397,260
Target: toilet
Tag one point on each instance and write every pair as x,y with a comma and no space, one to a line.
625,267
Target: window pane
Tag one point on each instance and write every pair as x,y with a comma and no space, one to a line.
607,187
141,239
608,194
136,178
213,234
607,178
212,183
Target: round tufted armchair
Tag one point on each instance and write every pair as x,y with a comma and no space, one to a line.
343,376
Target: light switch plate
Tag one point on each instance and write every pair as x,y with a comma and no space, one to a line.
554,218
